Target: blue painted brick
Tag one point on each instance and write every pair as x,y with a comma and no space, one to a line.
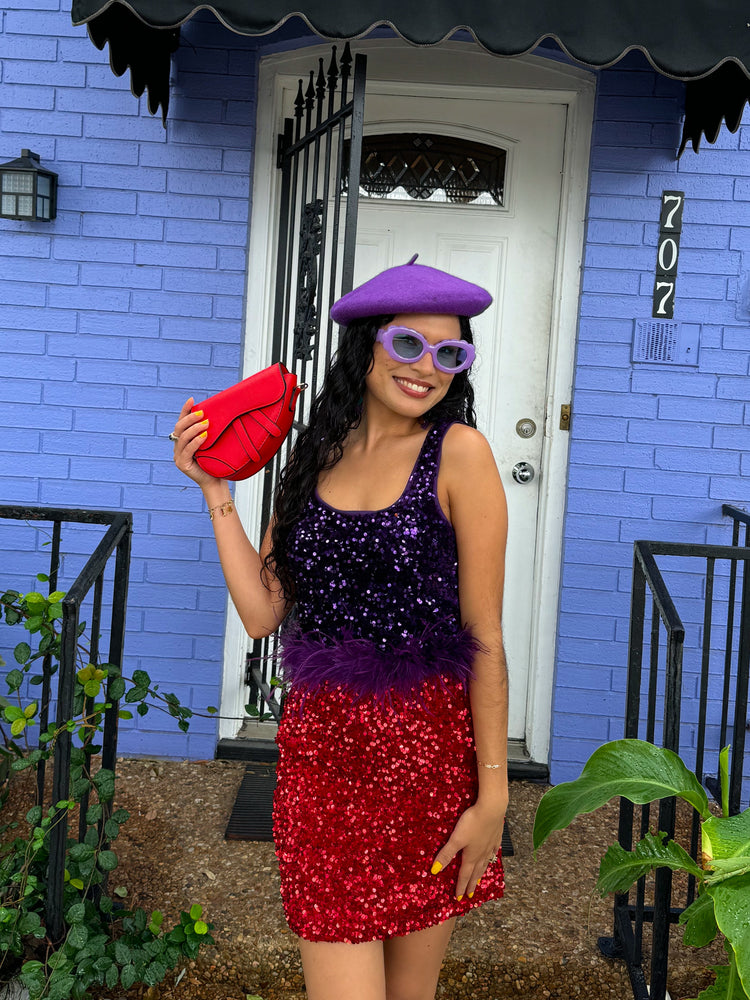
96,396
211,282
38,49
608,503
733,388
217,233
171,304
48,123
173,155
696,460
588,526
702,411
134,228
723,361
228,308
178,255
117,276
84,151
666,483
57,74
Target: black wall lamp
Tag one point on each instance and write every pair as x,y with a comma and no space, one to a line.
27,190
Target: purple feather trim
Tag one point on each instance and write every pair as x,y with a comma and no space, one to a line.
364,668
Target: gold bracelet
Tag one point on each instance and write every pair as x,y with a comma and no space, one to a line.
491,767
226,508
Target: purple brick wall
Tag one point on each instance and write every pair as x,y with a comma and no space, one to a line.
133,298
655,450
116,312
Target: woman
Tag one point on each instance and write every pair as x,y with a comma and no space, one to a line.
388,539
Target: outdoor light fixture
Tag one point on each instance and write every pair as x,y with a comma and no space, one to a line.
27,190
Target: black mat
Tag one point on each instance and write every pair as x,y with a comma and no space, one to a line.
251,813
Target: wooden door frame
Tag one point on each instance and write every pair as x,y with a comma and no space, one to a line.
526,78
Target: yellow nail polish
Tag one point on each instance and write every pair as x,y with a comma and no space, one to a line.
436,867
459,898
205,423
203,435
199,413
471,895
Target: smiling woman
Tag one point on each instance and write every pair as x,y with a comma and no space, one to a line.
388,539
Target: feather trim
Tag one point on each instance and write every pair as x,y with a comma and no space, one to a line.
364,668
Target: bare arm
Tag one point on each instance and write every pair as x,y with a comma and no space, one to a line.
478,512
255,591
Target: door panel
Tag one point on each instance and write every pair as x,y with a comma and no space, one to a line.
511,250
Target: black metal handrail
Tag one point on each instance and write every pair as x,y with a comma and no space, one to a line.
116,541
660,686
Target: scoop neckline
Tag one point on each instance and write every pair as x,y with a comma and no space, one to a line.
381,510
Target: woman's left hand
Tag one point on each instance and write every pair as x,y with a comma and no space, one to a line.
477,836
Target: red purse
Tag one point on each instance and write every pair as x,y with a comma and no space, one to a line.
247,423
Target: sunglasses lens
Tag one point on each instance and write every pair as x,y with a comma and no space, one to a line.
451,356
407,347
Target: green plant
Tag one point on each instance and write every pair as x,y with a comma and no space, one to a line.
104,941
641,772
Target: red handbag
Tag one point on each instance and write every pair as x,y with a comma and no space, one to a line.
247,423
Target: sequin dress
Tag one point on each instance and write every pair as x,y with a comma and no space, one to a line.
376,748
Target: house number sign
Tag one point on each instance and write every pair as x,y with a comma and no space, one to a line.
670,227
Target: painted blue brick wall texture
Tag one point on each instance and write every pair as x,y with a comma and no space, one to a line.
132,300
116,312
655,449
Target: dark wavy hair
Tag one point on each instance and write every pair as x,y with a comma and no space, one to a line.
335,411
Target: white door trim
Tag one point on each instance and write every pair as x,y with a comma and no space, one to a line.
525,78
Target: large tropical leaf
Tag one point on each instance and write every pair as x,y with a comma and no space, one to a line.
699,921
634,769
619,868
726,837
726,987
732,908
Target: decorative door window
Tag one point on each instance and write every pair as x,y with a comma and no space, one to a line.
421,166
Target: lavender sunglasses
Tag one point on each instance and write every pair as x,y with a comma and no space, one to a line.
449,356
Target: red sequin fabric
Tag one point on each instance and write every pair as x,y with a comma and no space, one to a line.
359,818
376,747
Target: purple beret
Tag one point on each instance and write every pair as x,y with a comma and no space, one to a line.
411,288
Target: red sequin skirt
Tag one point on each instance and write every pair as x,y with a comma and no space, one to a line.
366,796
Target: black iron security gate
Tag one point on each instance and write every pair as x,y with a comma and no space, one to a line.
315,262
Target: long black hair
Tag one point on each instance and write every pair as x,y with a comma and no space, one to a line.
335,411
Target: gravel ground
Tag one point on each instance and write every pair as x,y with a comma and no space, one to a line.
538,942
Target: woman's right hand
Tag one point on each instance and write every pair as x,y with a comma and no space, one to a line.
190,430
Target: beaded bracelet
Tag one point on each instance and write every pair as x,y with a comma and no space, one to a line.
226,508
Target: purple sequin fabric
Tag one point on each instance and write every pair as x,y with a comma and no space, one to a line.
377,607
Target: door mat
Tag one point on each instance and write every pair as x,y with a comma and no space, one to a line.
251,813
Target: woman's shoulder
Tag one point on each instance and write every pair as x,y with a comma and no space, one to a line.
467,458
462,442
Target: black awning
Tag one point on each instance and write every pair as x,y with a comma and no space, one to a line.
685,39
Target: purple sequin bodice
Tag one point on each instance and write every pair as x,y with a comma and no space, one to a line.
377,591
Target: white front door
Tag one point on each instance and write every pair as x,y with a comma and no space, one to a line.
510,249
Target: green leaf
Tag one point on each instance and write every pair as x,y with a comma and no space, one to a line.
22,652
123,954
60,987
34,815
142,708
76,914
17,727
14,678
78,935
30,710
120,891
732,908
124,714
94,814
727,985
56,596
104,782
42,577
135,694
141,679
619,868
107,861
116,689
726,837
154,973
127,976
77,883
634,769
112,976
12,712
724,780
196,911
211,709
92,687
201,927
699,921
111,829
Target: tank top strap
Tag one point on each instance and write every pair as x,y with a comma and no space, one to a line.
423,480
